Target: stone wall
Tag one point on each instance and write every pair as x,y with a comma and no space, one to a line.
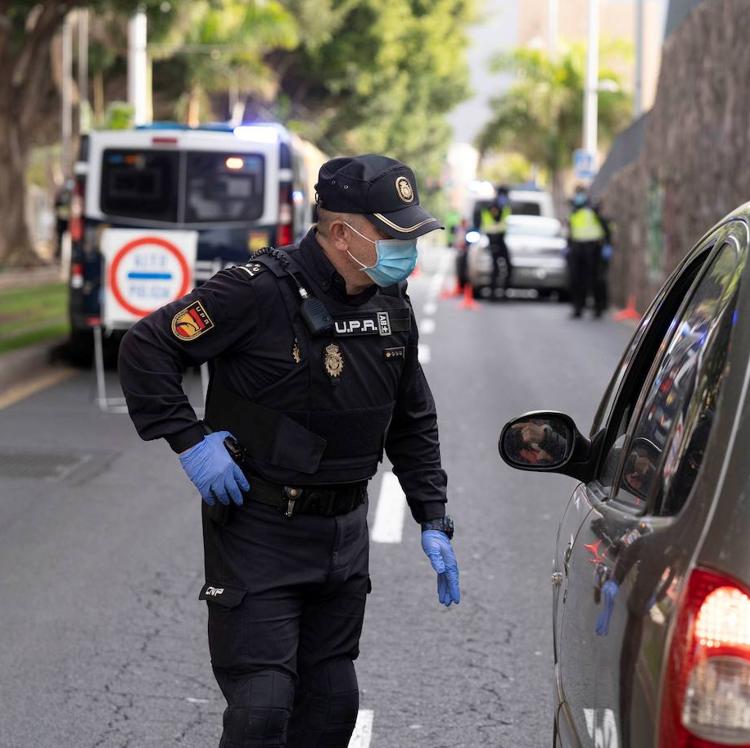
695,166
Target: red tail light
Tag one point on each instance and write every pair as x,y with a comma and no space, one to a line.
707,690
76,275
75,224
285,229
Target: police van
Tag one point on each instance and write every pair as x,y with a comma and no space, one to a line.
240,188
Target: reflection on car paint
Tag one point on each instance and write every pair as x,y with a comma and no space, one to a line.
602,727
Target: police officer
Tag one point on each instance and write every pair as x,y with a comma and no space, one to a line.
494,223
314,374
588,236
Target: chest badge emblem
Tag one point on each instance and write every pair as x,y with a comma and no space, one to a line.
296,353
334,361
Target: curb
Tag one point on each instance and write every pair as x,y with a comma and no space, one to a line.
21,365
30,277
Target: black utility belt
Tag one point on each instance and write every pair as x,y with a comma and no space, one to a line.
327,501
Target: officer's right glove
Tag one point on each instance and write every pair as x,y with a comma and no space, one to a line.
212,470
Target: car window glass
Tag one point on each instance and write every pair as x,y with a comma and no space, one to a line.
618,403
666,447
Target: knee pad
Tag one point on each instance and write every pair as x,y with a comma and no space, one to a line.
259,705
327,705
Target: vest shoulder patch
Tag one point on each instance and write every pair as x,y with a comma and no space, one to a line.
191,322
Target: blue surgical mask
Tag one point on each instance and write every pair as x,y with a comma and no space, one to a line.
396,259
579,200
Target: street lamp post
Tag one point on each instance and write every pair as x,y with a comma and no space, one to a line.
638,87
138,88
552,21
591,93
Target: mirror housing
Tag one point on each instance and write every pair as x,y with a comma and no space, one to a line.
547,441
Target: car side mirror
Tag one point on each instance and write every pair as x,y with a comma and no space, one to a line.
546,441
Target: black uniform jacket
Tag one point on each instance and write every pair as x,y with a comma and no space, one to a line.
240,321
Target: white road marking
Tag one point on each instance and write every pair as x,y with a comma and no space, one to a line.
389,515
423,353
362,730
427,327
430,307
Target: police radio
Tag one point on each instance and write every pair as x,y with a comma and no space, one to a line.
314,314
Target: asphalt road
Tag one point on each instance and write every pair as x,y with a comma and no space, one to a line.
103,637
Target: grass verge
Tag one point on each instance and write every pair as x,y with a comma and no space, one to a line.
32,315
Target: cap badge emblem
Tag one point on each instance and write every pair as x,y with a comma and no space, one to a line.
403,187
334,361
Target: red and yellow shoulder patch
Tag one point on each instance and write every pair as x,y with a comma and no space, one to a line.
191,322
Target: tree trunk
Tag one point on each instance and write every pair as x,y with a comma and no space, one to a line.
15,240
558,194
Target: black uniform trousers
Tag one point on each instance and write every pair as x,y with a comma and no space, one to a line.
286,601
586,270
499,250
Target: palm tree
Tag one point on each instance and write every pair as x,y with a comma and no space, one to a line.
540,115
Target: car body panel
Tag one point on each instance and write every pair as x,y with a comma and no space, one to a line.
610,670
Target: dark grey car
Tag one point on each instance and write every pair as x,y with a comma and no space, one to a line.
651,578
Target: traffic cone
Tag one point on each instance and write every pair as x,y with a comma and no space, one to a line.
468,300
629,312
451,293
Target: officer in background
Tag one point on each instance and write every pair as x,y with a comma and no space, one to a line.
494,223
314,373
588,240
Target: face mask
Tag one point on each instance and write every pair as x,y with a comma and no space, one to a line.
579,200
396,259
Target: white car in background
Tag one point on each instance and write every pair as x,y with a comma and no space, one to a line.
537,248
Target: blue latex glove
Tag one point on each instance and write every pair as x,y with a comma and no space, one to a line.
607,252
213,471
439,550
609,592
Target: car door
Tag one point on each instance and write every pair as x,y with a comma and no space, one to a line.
624,556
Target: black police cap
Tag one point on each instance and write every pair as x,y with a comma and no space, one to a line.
380,188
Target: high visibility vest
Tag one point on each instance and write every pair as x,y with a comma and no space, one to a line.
490,225
585,226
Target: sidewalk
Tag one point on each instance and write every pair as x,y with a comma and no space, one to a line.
29,277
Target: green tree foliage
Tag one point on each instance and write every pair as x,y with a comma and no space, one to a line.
224,46
26,86
378,75
541,114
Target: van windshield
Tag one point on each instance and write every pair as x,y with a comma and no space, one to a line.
149,185
223,187
140,184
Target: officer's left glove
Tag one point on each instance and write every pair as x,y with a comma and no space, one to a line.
439,550
609,592
212,470
607,252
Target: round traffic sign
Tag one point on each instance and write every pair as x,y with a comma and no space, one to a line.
147,273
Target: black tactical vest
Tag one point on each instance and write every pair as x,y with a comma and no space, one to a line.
325,422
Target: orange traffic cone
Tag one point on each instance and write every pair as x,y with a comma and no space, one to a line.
629,312
451,293
468,300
